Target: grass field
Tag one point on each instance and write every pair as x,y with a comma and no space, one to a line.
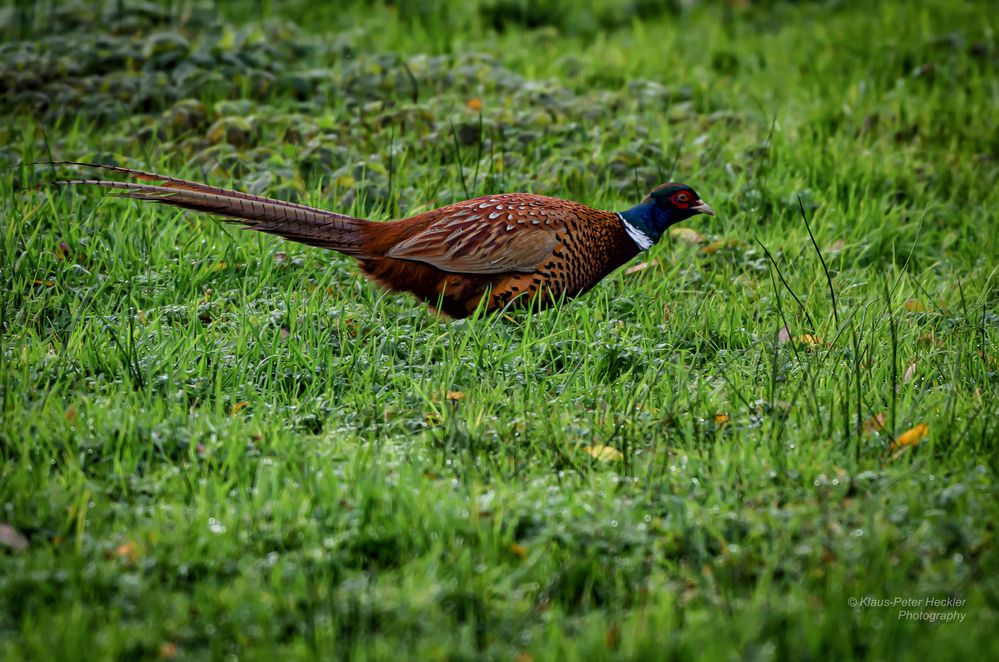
218,444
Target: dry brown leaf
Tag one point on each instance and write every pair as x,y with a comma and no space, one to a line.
455,395
518,550
686,234
641,266
912,436
604,453
910,372
71,414
929,339
13,539
46,283
874,424
127,551
238,407
914,306
836,246
612,637
475,104
168,650
721,420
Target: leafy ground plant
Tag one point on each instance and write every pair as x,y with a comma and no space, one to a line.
774,437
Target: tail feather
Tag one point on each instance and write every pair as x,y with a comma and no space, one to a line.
300,223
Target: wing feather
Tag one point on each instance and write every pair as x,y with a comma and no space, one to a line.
510,240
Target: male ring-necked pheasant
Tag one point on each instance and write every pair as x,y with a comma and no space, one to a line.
510,247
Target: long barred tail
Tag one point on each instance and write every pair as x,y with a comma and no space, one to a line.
307,225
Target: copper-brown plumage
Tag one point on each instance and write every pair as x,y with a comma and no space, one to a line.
511,248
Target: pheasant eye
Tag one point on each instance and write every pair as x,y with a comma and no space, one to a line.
681,199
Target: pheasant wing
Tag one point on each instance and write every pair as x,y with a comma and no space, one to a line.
501,235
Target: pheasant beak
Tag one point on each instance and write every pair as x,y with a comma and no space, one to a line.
702,207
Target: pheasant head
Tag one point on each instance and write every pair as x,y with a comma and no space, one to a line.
664,206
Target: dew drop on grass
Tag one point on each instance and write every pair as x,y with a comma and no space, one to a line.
857,533
215,526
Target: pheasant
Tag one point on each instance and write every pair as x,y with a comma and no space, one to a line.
495,250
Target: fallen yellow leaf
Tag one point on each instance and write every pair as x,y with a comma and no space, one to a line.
455,395
475,104
238,407
518,550
721,420
810,341
912,436
713,247
604,453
